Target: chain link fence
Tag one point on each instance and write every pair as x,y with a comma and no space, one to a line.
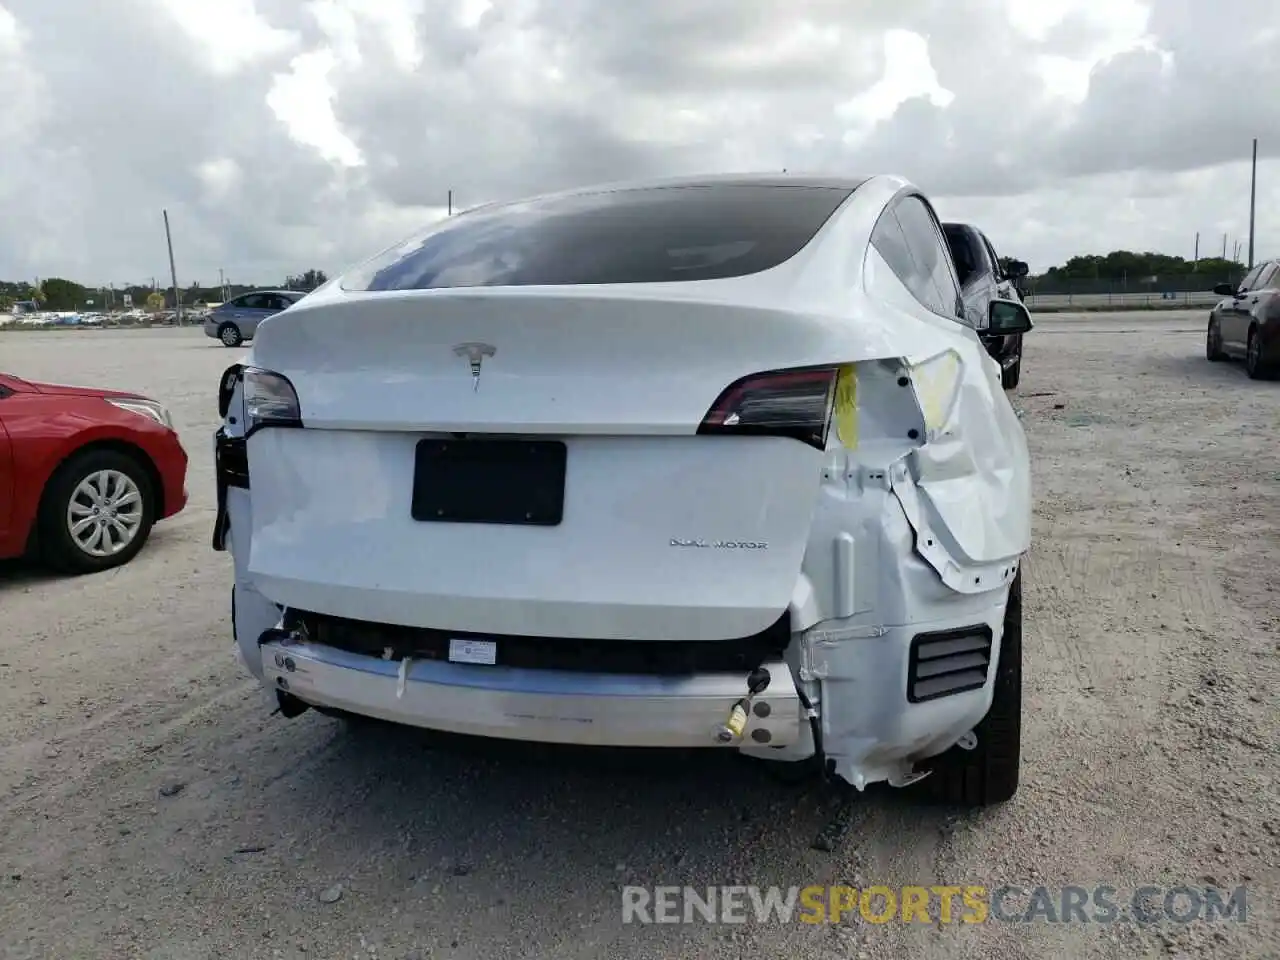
1175,292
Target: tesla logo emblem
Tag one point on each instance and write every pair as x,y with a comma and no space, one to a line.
475,354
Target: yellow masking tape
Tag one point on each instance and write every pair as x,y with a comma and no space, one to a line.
846,407
935,386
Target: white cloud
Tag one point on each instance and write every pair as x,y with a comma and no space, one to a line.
285,134
230,34
220,177
9,37
303,101
908,73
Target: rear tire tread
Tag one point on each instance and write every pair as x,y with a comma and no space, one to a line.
1213,355
988,774
1260,370
1009,378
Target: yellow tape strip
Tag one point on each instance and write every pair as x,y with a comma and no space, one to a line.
846,407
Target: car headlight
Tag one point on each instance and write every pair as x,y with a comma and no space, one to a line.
145,408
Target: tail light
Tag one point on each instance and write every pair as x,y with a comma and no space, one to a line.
781,403
269,401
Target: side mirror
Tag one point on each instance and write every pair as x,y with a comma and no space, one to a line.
1007,317
1016,270
1225,289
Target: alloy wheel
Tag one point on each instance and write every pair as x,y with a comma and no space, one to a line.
104,513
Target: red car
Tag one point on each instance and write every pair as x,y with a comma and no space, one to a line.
84,473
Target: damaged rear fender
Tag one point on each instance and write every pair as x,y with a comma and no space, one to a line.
966,488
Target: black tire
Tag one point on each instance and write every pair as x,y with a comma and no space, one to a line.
988,774
1253,364
230,335
1213,342
57,545
792,773
1010,376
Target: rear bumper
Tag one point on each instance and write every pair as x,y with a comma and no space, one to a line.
538,705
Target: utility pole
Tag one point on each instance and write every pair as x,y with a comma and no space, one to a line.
1253,197
450,203
1224,246
173,273
1196,261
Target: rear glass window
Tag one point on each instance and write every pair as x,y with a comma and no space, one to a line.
643,235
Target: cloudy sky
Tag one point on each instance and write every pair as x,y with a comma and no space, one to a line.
287,134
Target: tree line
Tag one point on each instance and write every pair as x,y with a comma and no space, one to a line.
1126,266
1119,266
62,295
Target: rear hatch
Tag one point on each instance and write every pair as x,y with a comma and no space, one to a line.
660,532
595,331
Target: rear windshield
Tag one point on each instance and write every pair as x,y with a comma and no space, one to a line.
644,235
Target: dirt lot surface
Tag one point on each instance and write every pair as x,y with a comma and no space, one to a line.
1152,727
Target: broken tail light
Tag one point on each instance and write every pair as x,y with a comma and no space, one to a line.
780,403
269,401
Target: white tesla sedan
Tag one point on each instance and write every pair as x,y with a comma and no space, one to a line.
710,462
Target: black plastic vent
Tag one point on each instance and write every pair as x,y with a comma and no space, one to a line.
647,657
947,662
231,469
231,461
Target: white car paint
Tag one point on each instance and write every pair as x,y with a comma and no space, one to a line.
913,519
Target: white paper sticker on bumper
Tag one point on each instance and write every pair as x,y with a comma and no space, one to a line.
473,651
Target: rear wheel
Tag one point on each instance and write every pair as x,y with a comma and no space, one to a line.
1253,364
230,336
97,512
1213,342
988,774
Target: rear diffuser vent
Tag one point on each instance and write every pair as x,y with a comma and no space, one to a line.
948,662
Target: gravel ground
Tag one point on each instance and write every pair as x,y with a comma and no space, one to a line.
150,807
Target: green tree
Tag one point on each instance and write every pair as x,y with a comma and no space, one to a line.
1133,267
155,301
60,294
306,281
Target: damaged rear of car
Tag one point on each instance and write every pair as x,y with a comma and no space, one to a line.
689,463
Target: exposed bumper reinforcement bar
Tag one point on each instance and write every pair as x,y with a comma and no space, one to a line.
539,705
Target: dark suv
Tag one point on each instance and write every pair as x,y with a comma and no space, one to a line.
982,280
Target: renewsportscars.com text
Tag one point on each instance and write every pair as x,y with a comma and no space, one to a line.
968,904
